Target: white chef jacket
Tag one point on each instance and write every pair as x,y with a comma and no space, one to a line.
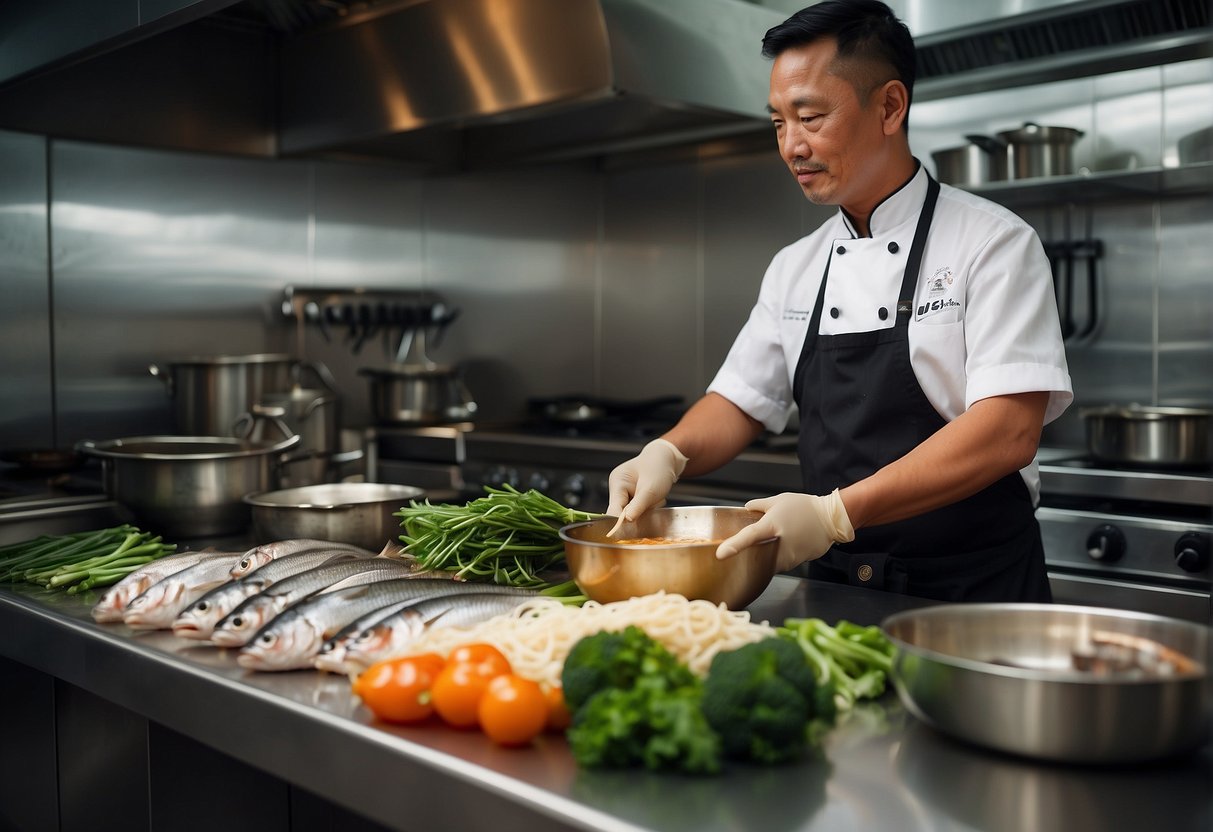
984,322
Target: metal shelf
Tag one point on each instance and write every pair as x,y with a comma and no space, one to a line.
1098,186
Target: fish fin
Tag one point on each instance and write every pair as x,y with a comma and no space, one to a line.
429,622
207,586
394,550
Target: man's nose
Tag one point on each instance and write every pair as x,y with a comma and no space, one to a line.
794,143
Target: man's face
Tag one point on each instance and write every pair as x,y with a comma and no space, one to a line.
828,137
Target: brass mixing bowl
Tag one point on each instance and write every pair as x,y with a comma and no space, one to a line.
608,571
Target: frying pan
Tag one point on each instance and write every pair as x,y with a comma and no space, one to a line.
43,460
584,410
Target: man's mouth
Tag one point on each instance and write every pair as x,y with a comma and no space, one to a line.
805,174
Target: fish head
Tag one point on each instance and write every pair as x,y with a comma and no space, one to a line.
384,639
242,623
286,647
332,657
116,599
253,559
152,609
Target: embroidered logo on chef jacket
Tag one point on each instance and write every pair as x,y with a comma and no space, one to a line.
797,314
939,288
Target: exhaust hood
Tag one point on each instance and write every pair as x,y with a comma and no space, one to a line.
440,83
479,82
467,84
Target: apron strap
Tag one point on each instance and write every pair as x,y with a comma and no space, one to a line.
909,280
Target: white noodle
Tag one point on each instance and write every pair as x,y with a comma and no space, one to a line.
538,635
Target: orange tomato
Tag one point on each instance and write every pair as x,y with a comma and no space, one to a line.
459,686
488,659
400,690
559,717
512,710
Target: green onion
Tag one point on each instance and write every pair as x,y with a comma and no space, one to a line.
507,537
82,560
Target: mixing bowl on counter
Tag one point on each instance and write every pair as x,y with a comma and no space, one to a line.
1055,682
188,486
358,513
670,549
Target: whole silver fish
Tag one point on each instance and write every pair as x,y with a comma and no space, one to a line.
374,638
259,556
198,620
293,639
254,613
164,600
115,600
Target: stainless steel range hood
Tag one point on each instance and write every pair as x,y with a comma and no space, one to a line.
479,82
448,83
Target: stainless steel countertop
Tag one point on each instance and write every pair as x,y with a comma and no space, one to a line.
882,769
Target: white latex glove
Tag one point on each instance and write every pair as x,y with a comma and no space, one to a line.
806,525
643,481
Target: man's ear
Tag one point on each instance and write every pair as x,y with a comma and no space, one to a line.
894,102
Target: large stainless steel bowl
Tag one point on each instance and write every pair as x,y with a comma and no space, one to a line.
608,571
188,486
1002,676
359,513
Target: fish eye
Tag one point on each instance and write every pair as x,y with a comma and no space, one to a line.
202,606
268,638
237,622
244,563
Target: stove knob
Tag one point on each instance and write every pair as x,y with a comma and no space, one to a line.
499,475
1192,552
538,482
572,491
1106,544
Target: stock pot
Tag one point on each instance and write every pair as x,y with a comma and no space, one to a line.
210,393
1037,150
188,486
418,394
1162,436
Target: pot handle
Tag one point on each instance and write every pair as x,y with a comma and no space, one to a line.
247,423
989,144
321,371
164,377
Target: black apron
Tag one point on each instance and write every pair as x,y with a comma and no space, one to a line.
861,407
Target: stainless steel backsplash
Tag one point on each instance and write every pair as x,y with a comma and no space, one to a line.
626,281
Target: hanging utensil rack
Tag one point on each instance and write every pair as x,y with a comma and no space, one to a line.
405,319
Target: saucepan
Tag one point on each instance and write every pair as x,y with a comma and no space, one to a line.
1056,682
1150,436
982,160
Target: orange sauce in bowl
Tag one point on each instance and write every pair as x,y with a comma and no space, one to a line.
663,541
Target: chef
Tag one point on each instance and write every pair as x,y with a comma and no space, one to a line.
916,332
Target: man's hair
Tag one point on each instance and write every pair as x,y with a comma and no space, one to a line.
868,35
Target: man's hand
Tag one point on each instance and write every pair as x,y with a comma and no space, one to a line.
643,481
806,525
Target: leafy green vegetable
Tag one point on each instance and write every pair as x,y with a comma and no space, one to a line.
82,560
508,537
760,699
617,660
635,704
849,662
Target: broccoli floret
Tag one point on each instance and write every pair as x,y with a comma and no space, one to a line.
645,725
616,660
760,698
